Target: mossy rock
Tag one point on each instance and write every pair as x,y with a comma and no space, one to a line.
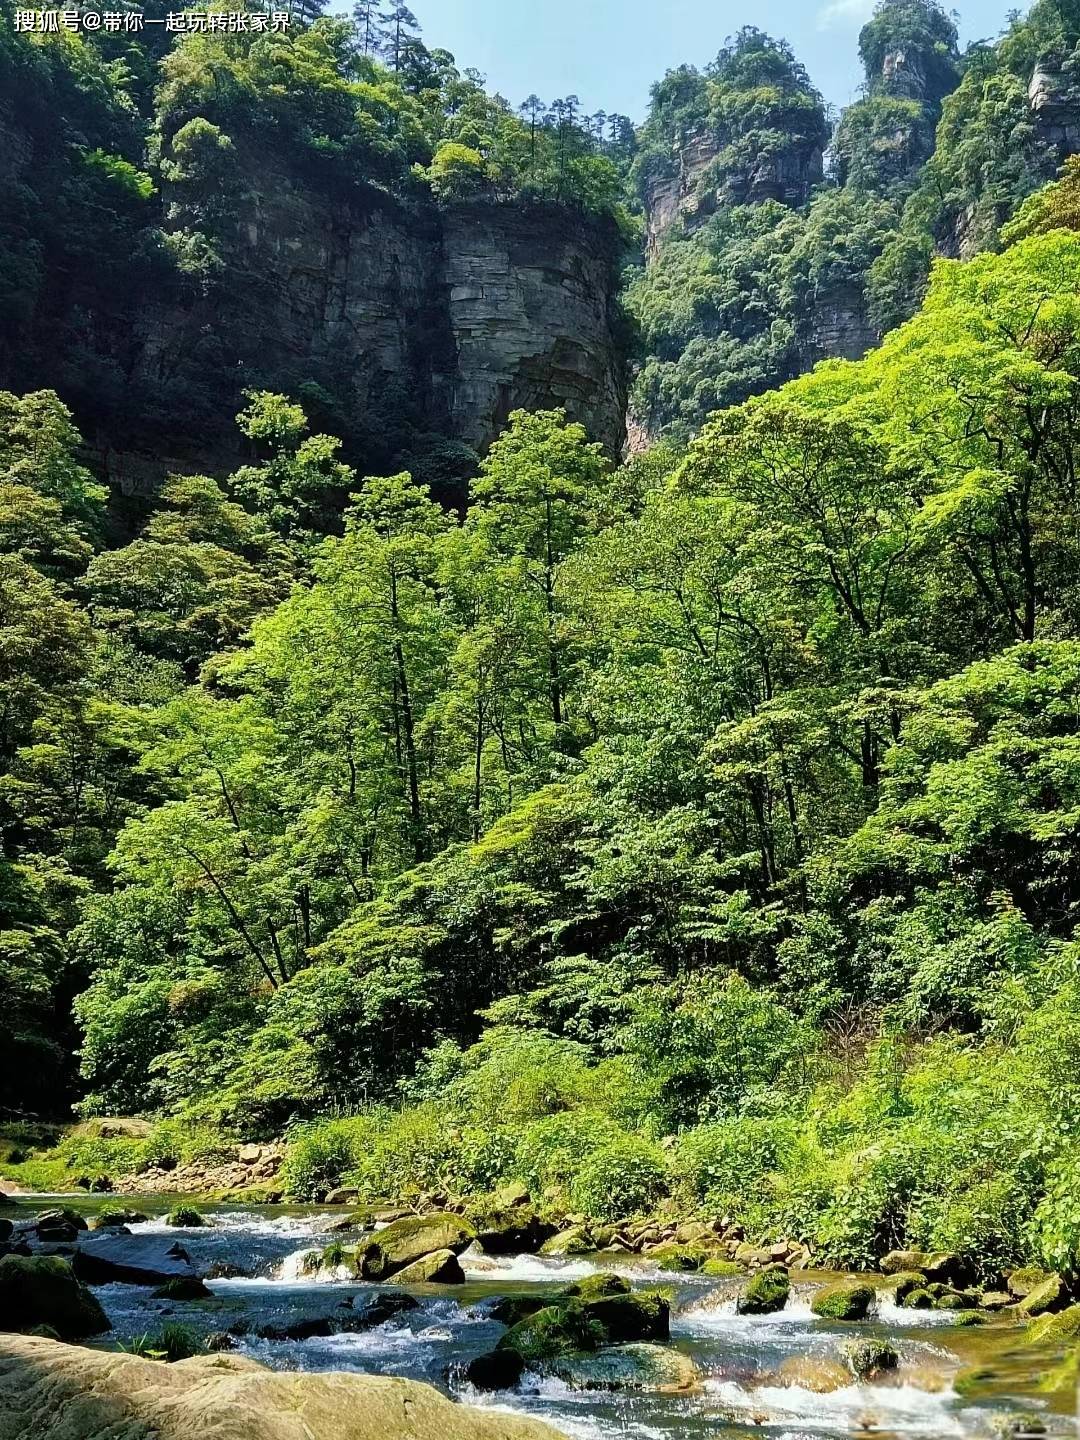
901,1284
676,1257
410,1239
596,1287
766,1293
1062,1328
186,1217
1023,1281
627,1367
842,1302
575,1241
869,1358
184,1287
950,1300
42,1290
966,1319
554,1330
108,1219
721,1269
506,1224
643,1315
497,1370
441,1267
919,1299
510,1309
1048,1296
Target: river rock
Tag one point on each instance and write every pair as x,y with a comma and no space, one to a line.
870,1358
382,1307
509,1309
721,1269
626,1367
595,1287
842,1302
6,1229
550,1331
107,1259
497,1370
343,1195
766,1293
57,1227
1020,1283
441,1267
1063,1328
574,1241
43,1290
307,1328
938,1265
410,1239
1050,1295
183,1287
820,1374
57,1392
671,1256
509,1229
643,1315
900,1285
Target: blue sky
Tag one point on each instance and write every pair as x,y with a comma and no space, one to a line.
609,52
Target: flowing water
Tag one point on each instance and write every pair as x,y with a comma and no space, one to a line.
774,1375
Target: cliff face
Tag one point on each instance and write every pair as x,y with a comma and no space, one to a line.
530,308
696,185
1054,97
411,320
452,318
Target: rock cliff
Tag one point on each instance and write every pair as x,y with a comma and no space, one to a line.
405,319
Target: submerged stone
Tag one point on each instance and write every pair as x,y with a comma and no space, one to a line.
627,1367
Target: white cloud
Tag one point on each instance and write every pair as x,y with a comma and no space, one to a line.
839,14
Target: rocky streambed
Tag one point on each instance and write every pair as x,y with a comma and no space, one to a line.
596,1346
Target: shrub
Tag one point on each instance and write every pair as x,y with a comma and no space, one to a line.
625,1177
723,1165
185,1217
320,1155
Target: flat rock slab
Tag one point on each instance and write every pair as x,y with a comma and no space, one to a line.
104,1259
50,1391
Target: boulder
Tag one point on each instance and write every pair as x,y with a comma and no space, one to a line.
767,1292
626,1367
870,1358
184,1287
676,1257
509,1309
57,1392
6,1228
575,1241
919,1299
554,1330
1020,1283
385,1306
994,1300
820,1374
595,1287
842,1302
441,1267
1062,1328
504,1229
109,1259
343,1195
938,1265
721,1269
899,1285
409,1239
497,1370
307,1328
43,1290
111,1217
643,1315
58,1227
1050,1295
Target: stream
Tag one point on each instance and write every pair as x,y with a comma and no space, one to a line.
760,1375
